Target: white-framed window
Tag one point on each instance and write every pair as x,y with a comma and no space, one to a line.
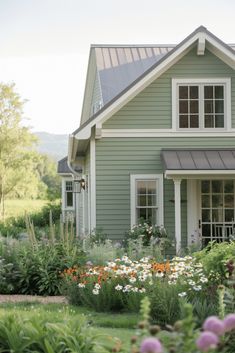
201,104
147,198
68,194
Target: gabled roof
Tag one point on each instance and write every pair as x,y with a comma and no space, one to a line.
201,36
120,65
115,67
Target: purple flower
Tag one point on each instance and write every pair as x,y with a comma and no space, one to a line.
89,263
206,341
229,322
151,345
215,325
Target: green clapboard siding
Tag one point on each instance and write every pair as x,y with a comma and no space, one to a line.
151,109
117,158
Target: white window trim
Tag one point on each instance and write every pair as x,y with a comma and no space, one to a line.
227,102
64,207
160,203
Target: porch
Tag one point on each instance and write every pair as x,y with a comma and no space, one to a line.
210,177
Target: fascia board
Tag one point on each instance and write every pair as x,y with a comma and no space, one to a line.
197,174
219,50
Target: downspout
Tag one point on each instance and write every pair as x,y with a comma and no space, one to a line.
76,176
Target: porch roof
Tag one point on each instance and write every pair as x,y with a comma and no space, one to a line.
200,160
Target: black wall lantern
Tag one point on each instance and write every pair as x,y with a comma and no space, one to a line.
78,185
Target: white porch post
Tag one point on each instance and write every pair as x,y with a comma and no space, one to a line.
177,191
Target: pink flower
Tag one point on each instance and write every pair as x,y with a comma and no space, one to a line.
215,325
206,341
229,322
151,345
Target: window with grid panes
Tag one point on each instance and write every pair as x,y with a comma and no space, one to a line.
201,106
147,198
69,194
146,201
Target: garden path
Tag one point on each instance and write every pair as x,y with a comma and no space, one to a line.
31,298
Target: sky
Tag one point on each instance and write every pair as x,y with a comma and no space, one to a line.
44,45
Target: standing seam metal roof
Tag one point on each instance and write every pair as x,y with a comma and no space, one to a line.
198,159
119,66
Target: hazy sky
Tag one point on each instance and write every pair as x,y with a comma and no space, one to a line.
44,44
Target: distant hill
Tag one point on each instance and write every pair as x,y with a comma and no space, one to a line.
54,145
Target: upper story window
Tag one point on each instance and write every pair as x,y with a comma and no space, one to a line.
201,104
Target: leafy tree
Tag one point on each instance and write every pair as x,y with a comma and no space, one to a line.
17,160
48,175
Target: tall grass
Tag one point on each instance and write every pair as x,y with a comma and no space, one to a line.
16,208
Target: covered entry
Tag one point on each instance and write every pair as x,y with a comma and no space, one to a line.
210,175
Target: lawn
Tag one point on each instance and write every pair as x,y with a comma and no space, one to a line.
108,327
15,208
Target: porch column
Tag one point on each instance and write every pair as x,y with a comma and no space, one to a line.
177,191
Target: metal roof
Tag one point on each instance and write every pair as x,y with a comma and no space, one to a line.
198,159
119,66
63,168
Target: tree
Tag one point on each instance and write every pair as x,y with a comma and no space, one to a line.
47,169
16,158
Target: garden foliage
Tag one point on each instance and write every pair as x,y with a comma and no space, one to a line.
35,267
37,334
215,336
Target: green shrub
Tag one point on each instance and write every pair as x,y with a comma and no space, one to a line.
40,268
35,267
136,250
214,257
9,271
165,302
204,307
149,235
100,253
146,232
36,334
97,236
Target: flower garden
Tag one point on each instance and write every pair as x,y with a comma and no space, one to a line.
186,303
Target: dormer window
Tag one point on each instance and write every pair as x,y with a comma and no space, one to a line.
201,104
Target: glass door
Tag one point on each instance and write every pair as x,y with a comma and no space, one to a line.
217,210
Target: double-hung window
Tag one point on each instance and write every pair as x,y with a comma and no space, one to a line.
147,199
69,194
201,104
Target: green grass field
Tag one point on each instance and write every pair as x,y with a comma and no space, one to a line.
15,208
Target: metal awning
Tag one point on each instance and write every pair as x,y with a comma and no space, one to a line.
198,161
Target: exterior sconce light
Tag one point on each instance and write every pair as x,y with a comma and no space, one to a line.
78,185
83,184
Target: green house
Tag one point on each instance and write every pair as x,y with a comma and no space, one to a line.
156,140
